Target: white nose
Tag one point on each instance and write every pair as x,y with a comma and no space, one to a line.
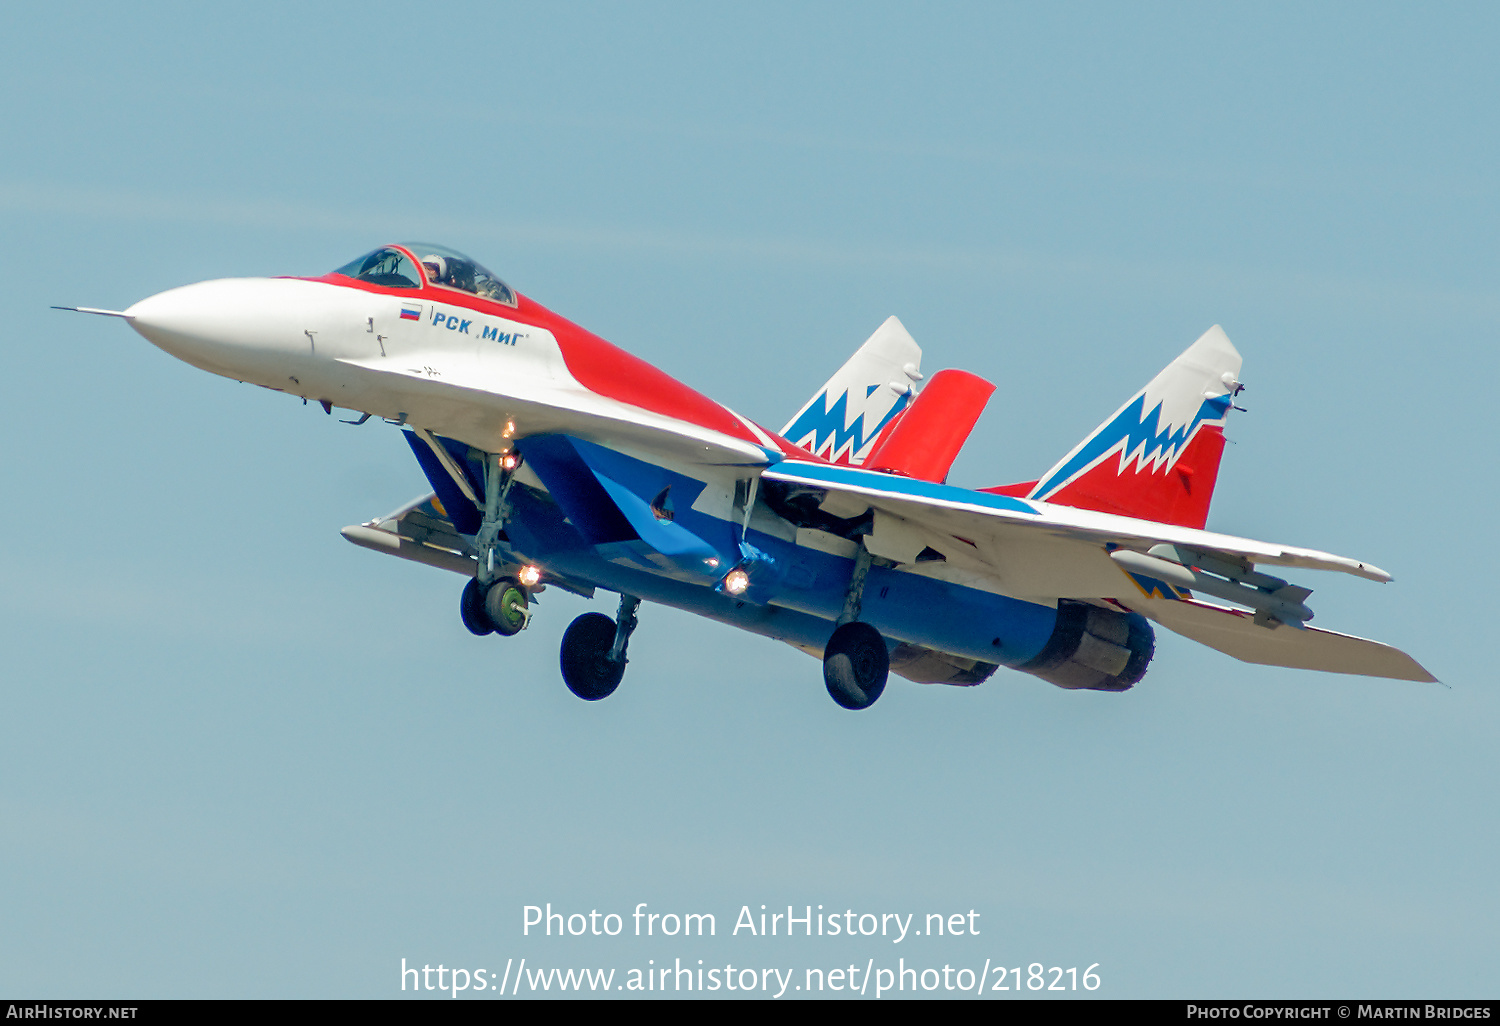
243,328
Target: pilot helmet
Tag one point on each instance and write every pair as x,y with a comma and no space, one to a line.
437,267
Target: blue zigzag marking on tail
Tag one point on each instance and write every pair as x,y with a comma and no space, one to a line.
829,423
1141,434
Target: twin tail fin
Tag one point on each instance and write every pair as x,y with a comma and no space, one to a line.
843,419
1157,458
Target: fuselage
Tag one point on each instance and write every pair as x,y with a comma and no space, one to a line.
556,458
499,372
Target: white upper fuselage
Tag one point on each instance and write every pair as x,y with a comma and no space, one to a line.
476,375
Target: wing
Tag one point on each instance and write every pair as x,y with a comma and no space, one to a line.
423,532
419,531
1041,551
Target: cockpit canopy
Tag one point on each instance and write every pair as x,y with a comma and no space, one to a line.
393,267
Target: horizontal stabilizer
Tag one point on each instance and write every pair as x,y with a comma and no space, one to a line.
923,441
1235,632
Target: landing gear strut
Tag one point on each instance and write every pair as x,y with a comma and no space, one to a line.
856,662
593,651
492,602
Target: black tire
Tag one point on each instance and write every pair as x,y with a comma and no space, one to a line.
471,610
586,666
505,607
856,664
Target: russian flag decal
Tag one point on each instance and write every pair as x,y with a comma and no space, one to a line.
411,311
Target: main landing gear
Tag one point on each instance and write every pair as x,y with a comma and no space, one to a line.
856,665
856,662
593,651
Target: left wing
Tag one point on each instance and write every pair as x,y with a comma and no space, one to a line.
1042,551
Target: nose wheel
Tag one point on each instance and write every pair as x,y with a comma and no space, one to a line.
593,651
500,608
856,664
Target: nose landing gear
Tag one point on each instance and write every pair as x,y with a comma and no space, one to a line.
499,608
471,610
491,603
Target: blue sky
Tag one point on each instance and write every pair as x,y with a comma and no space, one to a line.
241,757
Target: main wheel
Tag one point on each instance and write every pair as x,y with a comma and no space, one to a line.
505,606
471,609
586,667
855,665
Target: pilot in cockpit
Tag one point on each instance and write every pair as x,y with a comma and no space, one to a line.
458,272
436,267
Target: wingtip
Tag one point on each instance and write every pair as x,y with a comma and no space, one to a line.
1421,674
1371,572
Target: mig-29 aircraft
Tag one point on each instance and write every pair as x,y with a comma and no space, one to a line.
559,460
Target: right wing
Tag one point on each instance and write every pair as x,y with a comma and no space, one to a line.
419,531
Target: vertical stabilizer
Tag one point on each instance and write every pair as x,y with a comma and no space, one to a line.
1158,457
841,421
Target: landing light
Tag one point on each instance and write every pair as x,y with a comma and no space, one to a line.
510,461
736,581
529,575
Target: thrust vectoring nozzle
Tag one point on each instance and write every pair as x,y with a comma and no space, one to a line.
1274,600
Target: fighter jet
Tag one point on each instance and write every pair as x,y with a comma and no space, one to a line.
558,460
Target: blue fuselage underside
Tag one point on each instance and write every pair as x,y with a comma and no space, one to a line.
806,603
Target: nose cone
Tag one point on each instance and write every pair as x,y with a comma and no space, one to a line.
224,326
249,329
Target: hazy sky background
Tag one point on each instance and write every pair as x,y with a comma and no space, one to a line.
241,757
